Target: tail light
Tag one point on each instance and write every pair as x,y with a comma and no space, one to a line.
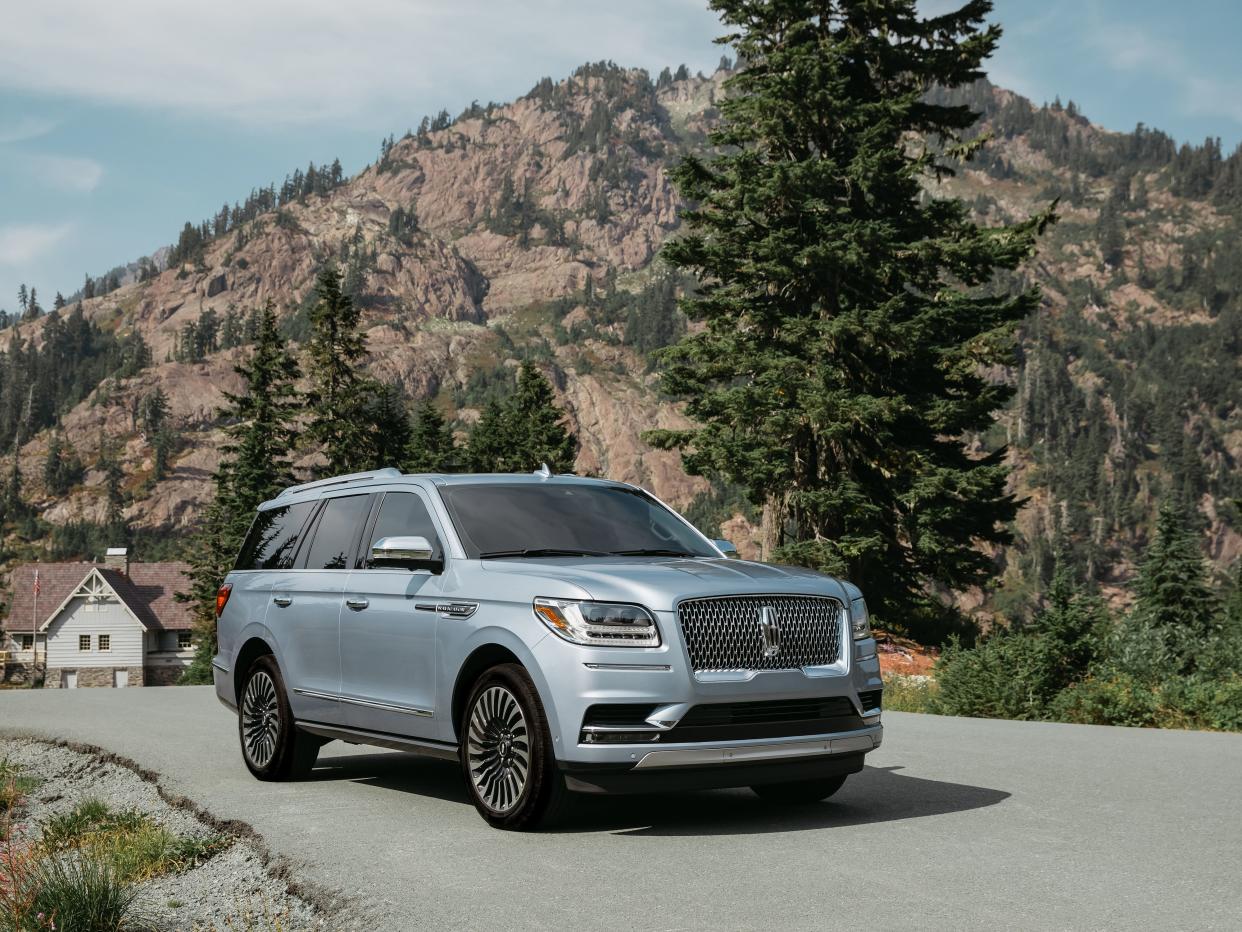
222,597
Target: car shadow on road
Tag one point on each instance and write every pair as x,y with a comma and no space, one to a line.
876,794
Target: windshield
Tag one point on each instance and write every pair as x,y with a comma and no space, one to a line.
564,519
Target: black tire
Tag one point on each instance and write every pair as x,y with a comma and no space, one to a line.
799,792
272,746
506,752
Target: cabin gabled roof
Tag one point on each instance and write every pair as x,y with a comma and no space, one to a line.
147,591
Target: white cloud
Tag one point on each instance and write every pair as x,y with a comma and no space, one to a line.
64,173
1127,48
21,244
306,60
26,127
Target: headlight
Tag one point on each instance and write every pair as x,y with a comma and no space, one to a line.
860,620
610,624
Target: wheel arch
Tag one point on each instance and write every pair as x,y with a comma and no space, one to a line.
253,648
485,656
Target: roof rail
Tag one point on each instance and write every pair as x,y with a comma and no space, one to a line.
388,472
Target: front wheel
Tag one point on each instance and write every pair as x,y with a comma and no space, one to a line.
506,753
273,747
799,792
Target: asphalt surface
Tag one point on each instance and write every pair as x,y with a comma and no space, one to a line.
954,824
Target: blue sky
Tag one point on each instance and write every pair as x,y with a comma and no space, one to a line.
120,121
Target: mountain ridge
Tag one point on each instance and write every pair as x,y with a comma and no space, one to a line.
531,230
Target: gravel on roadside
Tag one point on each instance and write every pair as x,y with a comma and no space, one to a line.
240,888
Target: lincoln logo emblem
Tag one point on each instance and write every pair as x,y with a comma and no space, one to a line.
771,631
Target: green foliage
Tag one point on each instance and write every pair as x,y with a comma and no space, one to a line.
909,694
340,394
62,469
39,383
80,892
1174,661
523,432
260,439
431,446
847,324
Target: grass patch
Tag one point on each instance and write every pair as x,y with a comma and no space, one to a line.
13,786
67,892
909,694
131,844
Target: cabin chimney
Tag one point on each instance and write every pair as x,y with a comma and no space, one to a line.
117,558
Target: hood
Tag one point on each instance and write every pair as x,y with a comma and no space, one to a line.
659,583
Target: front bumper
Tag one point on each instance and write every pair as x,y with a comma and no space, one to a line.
734,764
578,678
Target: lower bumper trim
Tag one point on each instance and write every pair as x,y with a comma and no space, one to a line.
787,750
601,779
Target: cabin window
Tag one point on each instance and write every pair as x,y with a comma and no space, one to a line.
27,641
183,640
84,642
105,642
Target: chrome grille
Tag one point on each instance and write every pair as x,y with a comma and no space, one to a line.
725,633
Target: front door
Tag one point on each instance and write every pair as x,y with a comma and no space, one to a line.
388,628
69,679
306,609
120,678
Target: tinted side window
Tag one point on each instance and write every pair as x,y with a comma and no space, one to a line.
273,538
402,514
333,545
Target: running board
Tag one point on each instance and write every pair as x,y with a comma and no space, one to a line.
382,740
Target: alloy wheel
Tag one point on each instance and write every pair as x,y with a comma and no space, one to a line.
260,719
498,749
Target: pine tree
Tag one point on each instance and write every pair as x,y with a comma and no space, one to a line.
1175,612
23,297
489,441
847,318
536,427
115,525
432,448
62,468
340,394
260,435
391,433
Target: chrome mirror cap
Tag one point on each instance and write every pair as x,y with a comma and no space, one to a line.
726,547
401,550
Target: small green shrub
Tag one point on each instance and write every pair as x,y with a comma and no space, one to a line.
1006,676
909,693
13,786
80,894
1119,699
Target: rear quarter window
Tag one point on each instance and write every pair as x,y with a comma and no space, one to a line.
273,538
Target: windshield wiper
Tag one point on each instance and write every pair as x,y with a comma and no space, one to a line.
542,552
652,552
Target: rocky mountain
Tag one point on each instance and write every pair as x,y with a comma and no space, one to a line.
531,230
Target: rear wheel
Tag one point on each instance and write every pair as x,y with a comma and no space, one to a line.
799,792
506,753
273,747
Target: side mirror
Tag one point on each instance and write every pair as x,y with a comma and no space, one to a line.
416,553
727,548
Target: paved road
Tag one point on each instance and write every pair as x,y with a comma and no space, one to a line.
955,824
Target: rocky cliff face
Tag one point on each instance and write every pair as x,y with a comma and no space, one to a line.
524,215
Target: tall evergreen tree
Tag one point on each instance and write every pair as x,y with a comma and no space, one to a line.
391,432
536,427
340,394
260,430
431,442
489,440
115,525
847,316
1175,612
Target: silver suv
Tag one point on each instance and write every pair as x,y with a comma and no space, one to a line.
553,634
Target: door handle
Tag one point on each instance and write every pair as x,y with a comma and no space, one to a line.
282,600
357,604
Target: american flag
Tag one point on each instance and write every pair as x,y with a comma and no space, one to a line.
36,583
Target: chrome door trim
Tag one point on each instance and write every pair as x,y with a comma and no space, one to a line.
368,703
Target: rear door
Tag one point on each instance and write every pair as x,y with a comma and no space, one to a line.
306,607
388,627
